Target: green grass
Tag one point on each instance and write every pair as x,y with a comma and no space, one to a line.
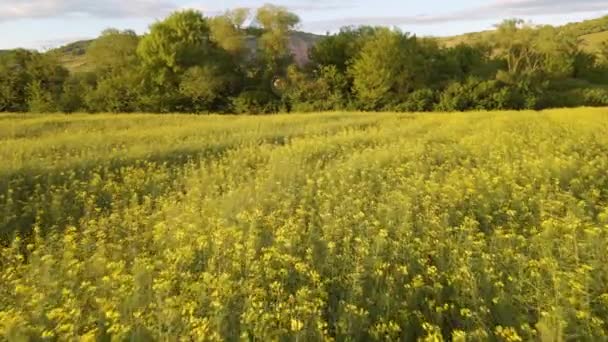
344,226
593,42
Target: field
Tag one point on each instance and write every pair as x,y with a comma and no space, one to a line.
593,42
336,226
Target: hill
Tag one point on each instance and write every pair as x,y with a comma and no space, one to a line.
592,33
73,55
592,42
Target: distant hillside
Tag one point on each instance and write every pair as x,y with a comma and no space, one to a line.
592,34
73,55
592,42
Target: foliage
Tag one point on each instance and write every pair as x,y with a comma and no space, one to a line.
276,22
240,61
340,49
384,69
256,102
420,100
364,227
114,51
326,91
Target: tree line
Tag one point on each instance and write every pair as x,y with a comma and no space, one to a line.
192,63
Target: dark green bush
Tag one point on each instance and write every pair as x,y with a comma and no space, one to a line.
421,100
256,102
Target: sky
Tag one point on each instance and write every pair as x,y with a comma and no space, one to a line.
44,24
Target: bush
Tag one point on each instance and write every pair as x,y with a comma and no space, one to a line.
595,97
479,95
560,99
421,100
256,102
327,91
40,100
577,97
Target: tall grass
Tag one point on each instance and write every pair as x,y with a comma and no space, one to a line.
337,226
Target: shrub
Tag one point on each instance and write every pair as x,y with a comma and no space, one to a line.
256,102
421,100
479,95
595,97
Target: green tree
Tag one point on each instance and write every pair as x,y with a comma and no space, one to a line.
30,81
119,93
341,48
75,90
113,51
386,70
174,46
558,51
227,31
205,86
528,49
465,60
277,23
14,79
326,89
515,41
40,100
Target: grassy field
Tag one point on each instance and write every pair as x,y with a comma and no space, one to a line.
341,226
593,42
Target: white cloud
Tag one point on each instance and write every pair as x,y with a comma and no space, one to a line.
497,8
25,9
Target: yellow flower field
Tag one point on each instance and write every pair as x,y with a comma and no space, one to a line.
322,227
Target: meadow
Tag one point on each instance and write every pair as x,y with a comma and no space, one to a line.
486,226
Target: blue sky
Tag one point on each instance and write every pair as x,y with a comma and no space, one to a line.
44,24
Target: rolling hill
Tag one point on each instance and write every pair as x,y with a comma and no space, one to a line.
592,42
592,33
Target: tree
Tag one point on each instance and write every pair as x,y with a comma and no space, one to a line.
386,69
226,31
113,51
277,22
176,44
14,80
30,81
75,90
603,54
340,49
325,90
205,86
119,93
514,41
464,60
528,49
173,47
558,51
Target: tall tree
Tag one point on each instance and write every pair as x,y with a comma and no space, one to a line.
341,48
14,80
516,42
227,31
386,69
174,46
113,51
28,79
277,22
